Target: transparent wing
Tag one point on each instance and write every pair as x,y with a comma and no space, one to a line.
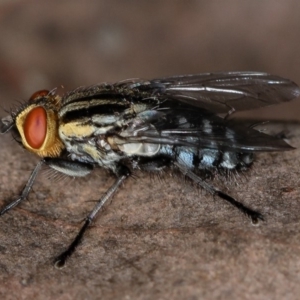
184,125
186,114
222,92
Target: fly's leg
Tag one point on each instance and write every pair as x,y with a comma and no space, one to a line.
25,190
252,214
60,261
71,168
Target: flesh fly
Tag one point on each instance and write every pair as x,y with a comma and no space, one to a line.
178,123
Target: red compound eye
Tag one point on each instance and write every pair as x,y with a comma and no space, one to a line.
35,127
38,94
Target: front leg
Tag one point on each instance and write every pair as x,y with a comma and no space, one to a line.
122,173
71,168
26,189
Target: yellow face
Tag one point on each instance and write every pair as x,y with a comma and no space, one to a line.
38,125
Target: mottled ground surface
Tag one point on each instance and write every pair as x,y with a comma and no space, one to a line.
157,239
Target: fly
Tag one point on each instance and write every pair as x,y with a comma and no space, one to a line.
178,123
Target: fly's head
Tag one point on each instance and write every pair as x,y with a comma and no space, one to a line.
37,124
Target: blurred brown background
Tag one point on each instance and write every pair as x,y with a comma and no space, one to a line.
47,44
74,43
